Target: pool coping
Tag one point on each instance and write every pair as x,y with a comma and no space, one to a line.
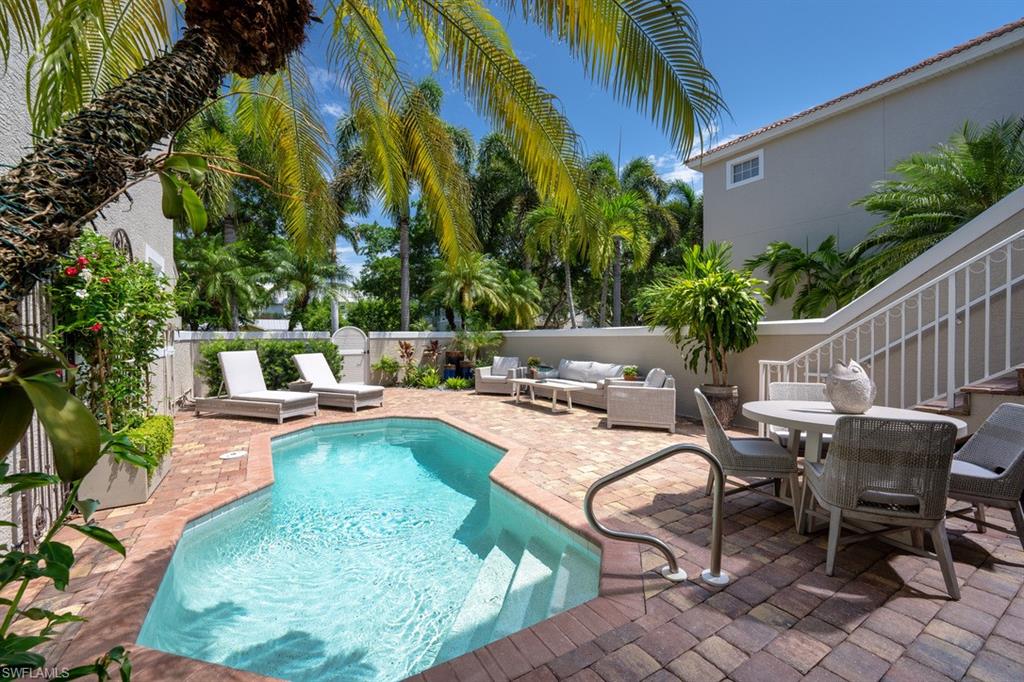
117,616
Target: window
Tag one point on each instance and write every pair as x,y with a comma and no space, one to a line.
744,169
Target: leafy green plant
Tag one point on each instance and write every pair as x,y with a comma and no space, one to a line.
155,436
428,377
39,385
533,361
275,358
630,371
709,311
388,368
110,316
458,383
477,344
406,355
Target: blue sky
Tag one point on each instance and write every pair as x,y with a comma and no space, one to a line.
771,59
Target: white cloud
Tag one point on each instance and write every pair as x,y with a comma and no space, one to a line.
334,109
325,80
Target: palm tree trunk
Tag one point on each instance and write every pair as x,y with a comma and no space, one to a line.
403,254
568,293
603,315
92,157
617,284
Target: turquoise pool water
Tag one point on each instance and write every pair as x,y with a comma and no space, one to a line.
381,549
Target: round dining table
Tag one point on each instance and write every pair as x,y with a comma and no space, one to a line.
816,418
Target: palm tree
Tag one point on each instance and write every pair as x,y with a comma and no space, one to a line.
218,278
825,276
306,278
938,192
624,220
550,230
471,283
520,297
647,52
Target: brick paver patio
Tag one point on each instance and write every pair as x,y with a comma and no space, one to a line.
884,615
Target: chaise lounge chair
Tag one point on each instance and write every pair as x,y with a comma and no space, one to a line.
314,368
247,394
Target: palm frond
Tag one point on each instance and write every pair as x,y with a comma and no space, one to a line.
19,21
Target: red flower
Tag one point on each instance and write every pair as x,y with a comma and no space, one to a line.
105,280
96,327
70,271
83,261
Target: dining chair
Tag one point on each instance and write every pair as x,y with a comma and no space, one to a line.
794,390
886,471
988,471
746,458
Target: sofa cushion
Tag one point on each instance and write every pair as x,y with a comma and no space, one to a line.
501,365
574,370
655,378
604,370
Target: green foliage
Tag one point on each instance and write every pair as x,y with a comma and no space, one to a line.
630,371
155,436
374,314
826,277
533,361
388,368
708,311
458,383
275,358
478,344
110,313
428,377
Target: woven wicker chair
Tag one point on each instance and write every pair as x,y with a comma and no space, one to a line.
890,472
650,403
748,458
793,390
989,469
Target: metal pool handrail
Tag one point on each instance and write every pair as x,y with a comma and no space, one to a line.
713,575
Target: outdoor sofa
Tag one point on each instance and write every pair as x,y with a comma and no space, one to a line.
593,377
317,373
247,394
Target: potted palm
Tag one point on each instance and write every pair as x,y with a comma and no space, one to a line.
709,311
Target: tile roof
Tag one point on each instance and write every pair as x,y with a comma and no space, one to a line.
953,51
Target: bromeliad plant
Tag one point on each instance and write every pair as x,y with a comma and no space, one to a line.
38,385
110,316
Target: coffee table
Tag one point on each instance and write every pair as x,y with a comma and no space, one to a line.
555,385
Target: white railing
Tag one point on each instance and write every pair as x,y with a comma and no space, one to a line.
910,347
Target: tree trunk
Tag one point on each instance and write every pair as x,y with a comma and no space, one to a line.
403,254
568,293
449,314
603,314
91,158
617,284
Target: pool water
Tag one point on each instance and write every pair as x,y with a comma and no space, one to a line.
381,549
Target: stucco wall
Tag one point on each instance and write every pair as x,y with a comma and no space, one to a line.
813,174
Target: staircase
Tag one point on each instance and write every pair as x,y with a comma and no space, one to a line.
958,335
518,585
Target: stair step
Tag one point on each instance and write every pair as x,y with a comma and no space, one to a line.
961,405
1008,384
476,619
528,595
572,583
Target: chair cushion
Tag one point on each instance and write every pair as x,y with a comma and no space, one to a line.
603,370
491,379
241,371
349,389
655,378
961,468
313,367
762,453
285,397
575,370
501,365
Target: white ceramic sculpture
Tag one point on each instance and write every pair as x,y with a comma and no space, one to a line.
849,388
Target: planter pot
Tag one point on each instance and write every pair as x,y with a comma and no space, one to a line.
631,378
724,400
116,484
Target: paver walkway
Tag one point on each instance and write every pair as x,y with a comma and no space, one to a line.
884,614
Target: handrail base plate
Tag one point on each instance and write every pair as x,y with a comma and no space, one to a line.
711,579
676,577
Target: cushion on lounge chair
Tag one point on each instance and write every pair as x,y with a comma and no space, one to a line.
501,365
313,367
603,370
348,389
574,370
655,378
275,396
241,371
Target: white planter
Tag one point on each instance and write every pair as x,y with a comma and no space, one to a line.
116,484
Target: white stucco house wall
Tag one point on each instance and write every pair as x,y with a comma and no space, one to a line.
794,180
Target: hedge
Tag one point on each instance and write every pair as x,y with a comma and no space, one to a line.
154,436
275,358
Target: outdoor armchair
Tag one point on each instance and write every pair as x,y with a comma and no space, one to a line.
886,471
989,469
495,379
650,403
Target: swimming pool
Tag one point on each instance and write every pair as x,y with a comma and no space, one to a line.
381,549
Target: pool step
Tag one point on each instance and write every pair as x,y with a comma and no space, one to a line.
476,619
528,595
570,588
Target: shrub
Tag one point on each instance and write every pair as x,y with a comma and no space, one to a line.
275,358
630,371
154,437
428,378
533,361
457,383
388,368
